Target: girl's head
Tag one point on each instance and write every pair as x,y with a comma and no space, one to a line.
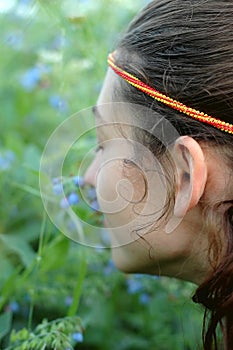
181,181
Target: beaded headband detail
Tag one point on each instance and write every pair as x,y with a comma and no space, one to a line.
158,96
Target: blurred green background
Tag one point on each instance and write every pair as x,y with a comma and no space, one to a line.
52,64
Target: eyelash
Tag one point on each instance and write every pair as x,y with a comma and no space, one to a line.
98,148
128,161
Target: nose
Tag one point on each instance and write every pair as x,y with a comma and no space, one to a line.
91,173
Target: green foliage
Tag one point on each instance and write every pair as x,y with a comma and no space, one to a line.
53,60
5,323
56,334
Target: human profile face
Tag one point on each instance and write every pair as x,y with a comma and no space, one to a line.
132,197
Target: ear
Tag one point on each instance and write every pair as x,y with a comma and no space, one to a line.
192,174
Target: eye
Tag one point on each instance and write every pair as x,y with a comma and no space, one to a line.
129,161
98,148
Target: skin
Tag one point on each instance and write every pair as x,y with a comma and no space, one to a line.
201,173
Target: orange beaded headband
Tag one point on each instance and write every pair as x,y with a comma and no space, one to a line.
191,112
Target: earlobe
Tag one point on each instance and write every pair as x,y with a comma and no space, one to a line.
191,174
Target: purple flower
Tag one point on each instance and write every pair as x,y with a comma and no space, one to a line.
78,181
78,337
73,198
58,103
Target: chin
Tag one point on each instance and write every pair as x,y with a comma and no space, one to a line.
125,263
121,262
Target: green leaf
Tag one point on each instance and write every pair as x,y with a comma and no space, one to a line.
29,189
27,233
54,255
9,286
6,268
5,323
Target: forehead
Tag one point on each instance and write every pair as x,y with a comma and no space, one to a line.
106,94
109,112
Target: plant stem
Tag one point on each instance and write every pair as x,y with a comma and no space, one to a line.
78,288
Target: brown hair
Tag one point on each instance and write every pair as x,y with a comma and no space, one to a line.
185,50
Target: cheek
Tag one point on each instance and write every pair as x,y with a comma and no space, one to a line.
115,193
132,202
128,196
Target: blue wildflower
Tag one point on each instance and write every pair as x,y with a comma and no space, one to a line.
144,298
57,185
14,306
64,204
157,277
109,268
99,250
31,78
6,160
68,300
134,286
73,198
56,180
58,103
59,42
14,40
138,275
78,337
57,188
78,181
92,193
95,205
